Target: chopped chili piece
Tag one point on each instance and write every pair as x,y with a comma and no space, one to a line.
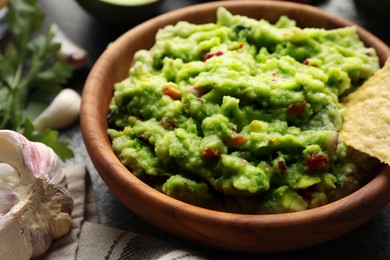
296,109
174,93
316,162
210,55
307,62
211,153
237,139
282,167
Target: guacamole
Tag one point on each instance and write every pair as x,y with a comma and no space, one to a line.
242,115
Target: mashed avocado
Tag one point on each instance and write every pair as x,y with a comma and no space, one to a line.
241,115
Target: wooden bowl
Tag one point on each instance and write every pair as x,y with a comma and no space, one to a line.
238,232
117,12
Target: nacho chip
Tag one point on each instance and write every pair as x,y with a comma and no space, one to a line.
366,124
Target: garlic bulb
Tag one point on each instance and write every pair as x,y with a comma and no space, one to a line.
62,111
35,204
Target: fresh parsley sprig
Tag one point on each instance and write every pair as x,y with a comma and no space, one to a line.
29,67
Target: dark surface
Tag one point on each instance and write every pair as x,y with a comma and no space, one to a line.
370,241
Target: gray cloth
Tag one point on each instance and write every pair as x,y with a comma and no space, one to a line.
88,239
100,242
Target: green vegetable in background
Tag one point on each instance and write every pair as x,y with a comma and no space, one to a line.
30,71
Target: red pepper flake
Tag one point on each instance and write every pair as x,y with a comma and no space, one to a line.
237,140
307,62
210,55
316,161
210,153
282,167
174,93
296,109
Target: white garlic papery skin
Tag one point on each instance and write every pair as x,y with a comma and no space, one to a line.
35,204
62,111
72,53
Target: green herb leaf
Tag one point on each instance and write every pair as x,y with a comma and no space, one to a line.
30,65
24,18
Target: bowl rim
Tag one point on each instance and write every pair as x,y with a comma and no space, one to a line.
129,4
118,178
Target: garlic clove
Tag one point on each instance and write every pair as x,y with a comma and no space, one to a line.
7,201
70,51
35,206
60,225
62,111
5,186
41,239
5,170
13,243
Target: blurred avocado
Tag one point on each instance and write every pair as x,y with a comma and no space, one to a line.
121,11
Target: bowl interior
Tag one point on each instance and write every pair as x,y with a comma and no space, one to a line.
250,233
129,2
121,12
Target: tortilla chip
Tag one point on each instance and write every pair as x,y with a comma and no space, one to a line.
366,124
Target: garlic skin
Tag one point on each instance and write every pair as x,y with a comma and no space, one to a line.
70,51
35,204
62,111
